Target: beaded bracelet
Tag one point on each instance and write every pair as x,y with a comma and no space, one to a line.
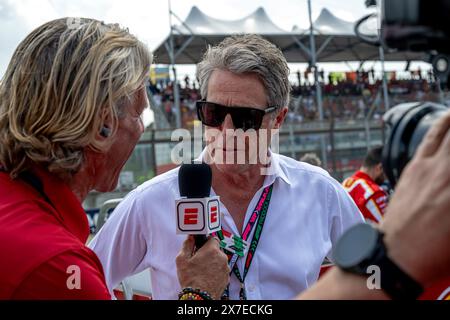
194,294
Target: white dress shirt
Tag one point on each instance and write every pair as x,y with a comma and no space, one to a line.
308,212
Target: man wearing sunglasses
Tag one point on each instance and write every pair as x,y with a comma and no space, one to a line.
290,213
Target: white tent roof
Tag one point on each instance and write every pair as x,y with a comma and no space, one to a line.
335,38
257,22
329,24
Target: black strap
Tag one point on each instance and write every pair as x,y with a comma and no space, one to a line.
394,281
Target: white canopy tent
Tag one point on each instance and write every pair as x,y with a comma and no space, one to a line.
335,39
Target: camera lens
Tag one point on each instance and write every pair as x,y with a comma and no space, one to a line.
406,124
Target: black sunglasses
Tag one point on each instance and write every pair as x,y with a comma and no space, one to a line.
213,114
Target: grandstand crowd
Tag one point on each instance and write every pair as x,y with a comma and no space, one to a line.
346,95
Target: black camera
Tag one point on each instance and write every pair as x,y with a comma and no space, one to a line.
414,25
406,125
419,25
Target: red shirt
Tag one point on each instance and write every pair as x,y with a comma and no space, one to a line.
438,291
368,196
42,245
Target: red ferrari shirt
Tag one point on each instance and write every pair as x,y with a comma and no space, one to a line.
42,243
368,196
438,291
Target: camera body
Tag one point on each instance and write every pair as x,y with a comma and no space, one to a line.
414,25
419,25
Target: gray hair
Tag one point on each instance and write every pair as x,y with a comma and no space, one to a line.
249,54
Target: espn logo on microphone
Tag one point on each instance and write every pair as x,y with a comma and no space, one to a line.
191,216
213,214
198,216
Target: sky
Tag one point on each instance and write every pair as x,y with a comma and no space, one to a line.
149,19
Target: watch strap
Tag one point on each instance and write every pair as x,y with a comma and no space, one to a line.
394,281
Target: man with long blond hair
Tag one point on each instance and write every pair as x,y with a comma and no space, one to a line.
71,105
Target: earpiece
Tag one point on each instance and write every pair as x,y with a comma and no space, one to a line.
105,132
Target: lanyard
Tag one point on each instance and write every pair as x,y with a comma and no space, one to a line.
257,218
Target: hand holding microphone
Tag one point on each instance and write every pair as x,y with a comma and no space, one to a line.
200,264
206,270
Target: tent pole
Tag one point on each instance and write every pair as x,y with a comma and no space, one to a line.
176,93
317,82
385,85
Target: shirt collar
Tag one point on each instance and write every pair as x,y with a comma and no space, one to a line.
363,175
68,209
273,170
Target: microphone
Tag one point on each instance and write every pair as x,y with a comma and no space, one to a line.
197,213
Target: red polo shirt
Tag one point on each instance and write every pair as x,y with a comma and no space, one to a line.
42,245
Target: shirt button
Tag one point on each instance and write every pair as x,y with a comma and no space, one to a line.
251,288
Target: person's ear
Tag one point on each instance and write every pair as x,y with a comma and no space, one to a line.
104,132
380,170
279,119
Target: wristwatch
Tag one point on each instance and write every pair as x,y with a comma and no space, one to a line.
361,249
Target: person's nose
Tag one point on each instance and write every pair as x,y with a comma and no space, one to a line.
227,123
228,133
